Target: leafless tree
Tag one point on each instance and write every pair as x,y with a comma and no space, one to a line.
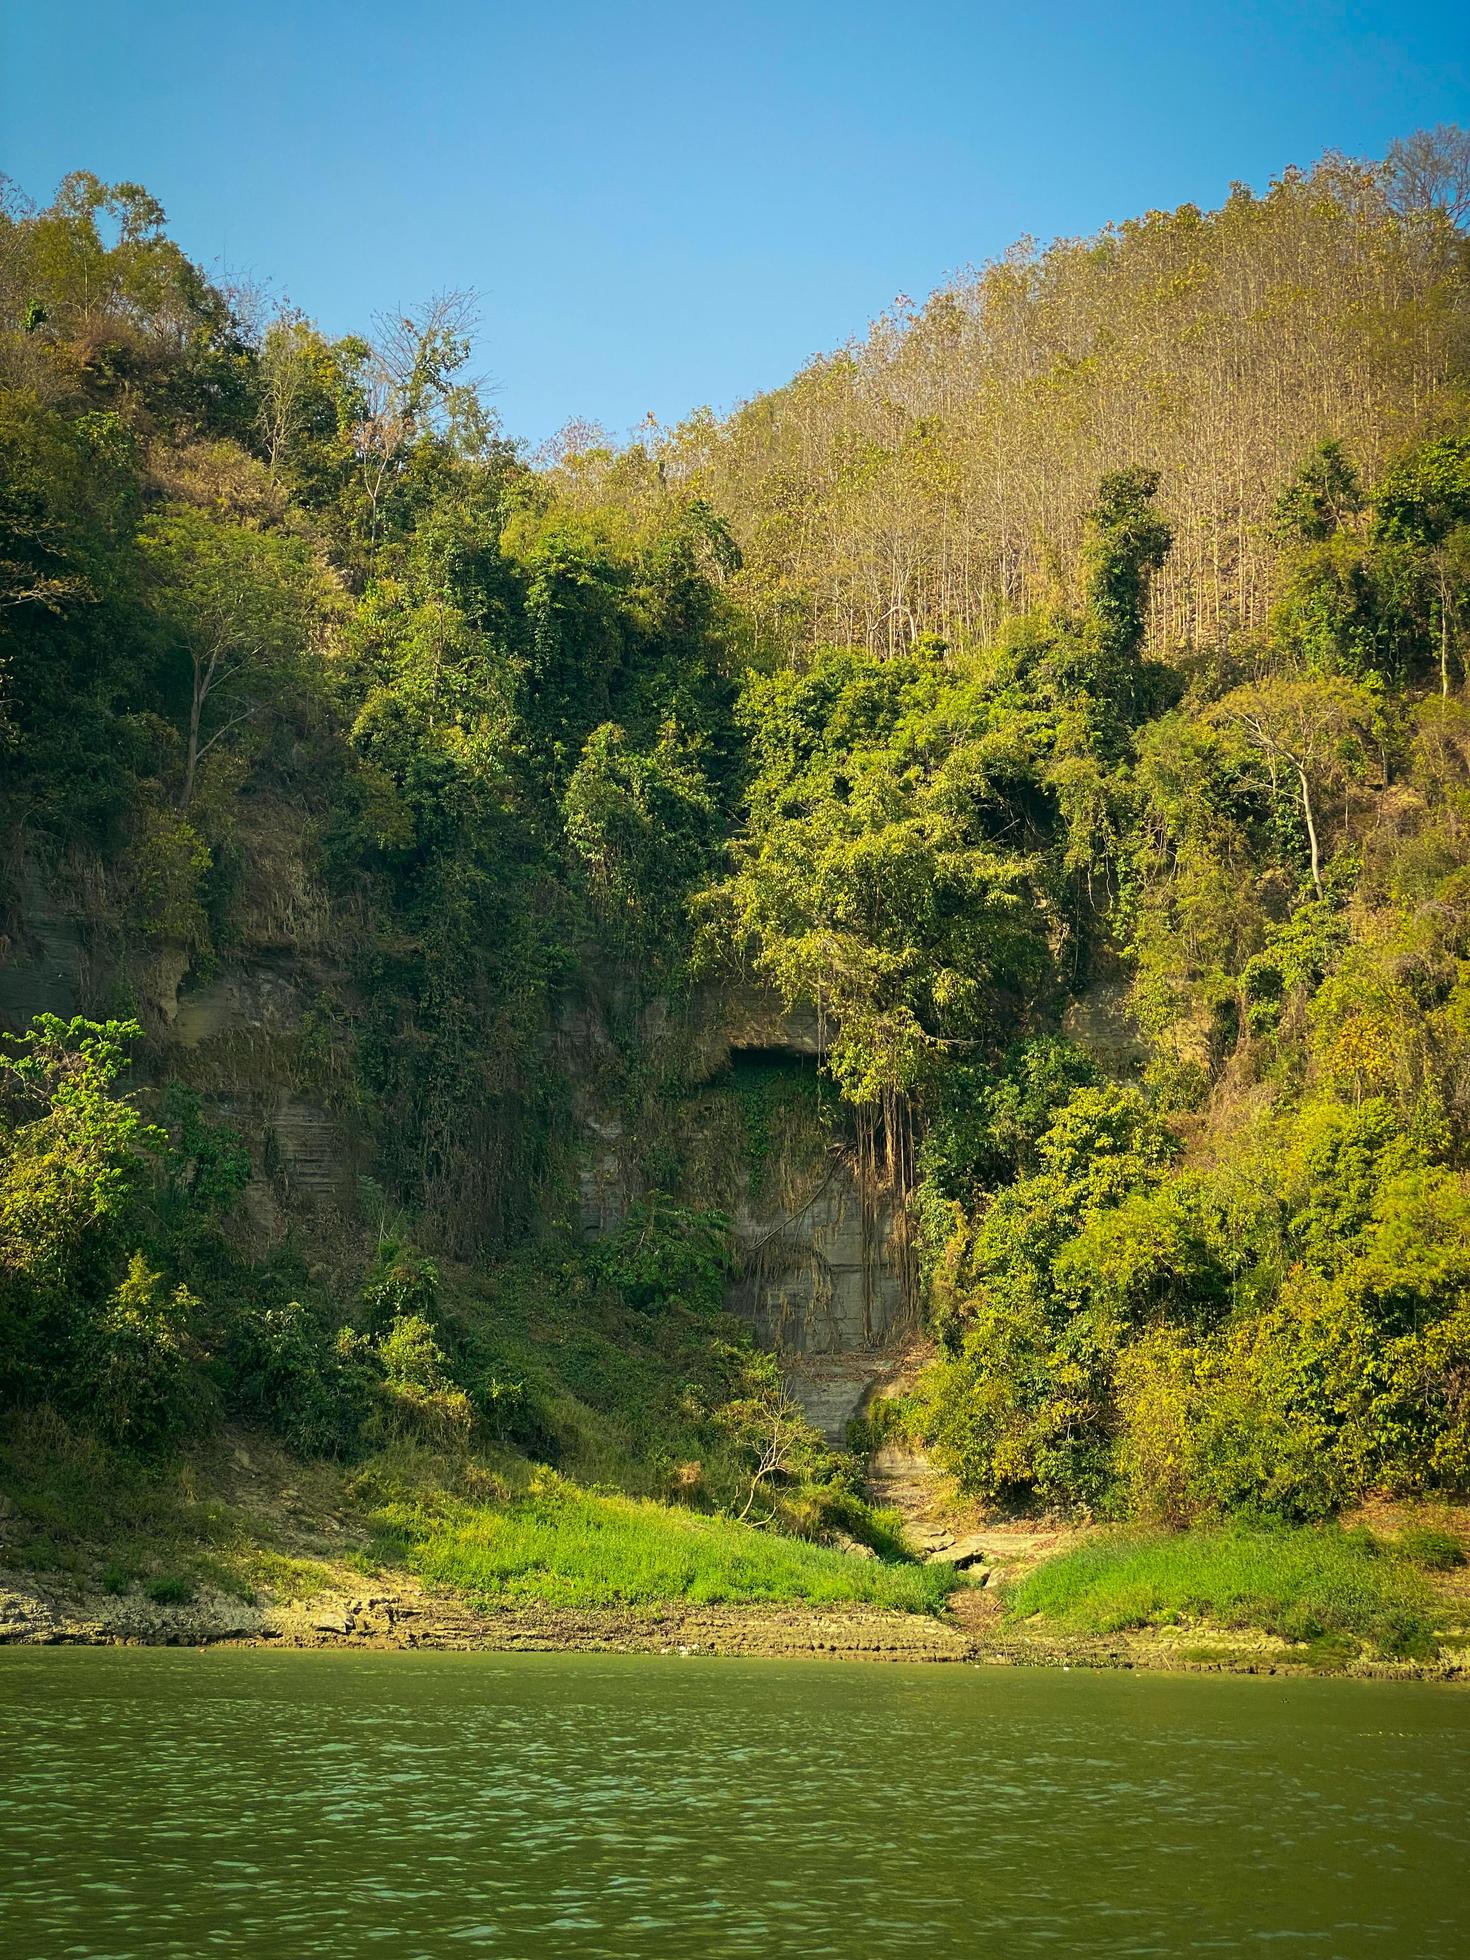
1430,171
415,382
773,1427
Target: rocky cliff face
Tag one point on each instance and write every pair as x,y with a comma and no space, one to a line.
235,1034
45,967
826,1287
821,1276
821,1272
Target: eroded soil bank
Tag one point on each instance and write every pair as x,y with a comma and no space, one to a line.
298,1567
406,1616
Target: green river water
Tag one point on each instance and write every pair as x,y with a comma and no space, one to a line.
257,1803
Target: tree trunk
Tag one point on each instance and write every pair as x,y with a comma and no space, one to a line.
1444,630
196,713
1311,829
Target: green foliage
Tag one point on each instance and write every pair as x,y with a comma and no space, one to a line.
640,824
470,743
1059,1270
1425,497
169,1591
401,1281
289,1374
74,1156
1323,497
417,1393
205,1166
872,880
665,1254
138,1365
1128,542
779,1102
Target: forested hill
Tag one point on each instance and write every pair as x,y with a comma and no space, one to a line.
1061,692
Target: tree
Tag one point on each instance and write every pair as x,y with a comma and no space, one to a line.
1325,493
1128,542
415,390
641,823
1319,727
72,1145
241,603
288,369
1430,171
771,1432
1424,501
73,1153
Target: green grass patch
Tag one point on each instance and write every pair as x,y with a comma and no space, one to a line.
286,1577
170,1591
1313,1585
571,1548
1429,1548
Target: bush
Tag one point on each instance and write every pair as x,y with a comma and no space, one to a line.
1235,1423
137,1359
417,1394
401,1281
291,1375
665,1254
169,1592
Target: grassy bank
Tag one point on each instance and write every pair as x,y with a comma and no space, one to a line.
571,1547
253,1523
1323,1586
497,1535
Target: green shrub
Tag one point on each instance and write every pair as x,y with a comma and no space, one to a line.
169,1591
666,1254
400,1282
137,1358
290,1374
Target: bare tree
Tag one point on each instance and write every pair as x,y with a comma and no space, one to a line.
415,384
936,475
772,1428
1430,171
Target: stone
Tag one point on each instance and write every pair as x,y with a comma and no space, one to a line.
965,1552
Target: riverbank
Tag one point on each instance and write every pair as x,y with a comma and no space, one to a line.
407,1616
244,1546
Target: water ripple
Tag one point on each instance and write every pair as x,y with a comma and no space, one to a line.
592,1808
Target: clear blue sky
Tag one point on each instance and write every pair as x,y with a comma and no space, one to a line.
663,205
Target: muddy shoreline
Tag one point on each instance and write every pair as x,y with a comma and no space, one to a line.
409,1619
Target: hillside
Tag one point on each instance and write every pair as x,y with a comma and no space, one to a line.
942,897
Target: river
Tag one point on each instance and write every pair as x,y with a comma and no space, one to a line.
174,1802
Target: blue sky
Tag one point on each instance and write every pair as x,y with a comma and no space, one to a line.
666,205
